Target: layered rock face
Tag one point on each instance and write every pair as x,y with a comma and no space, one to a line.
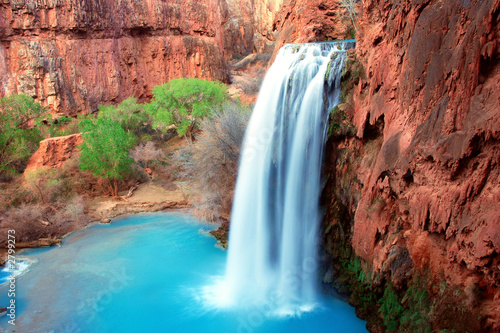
421,176
74,55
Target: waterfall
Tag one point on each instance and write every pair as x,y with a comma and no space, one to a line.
275,217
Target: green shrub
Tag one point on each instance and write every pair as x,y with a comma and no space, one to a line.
129,114
63,126
20,135
182,103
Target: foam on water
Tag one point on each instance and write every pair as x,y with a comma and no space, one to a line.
17,268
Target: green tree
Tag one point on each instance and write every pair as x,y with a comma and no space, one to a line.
183,102
129,114
105,151
19,132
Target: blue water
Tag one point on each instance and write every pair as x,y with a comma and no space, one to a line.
145,273
4,276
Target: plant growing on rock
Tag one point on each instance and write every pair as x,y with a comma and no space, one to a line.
350,6
339,125
182,103
105,151
391,309
19,134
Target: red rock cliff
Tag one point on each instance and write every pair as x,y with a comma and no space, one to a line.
73,55
421,177
250,28
431,86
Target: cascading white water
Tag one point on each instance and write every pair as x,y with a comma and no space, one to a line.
275,217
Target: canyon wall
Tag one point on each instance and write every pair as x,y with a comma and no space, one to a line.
312,20
417,169
254,20
74,55
420,176
430,94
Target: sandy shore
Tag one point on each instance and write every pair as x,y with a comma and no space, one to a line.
148,197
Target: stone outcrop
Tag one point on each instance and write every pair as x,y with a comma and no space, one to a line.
54,152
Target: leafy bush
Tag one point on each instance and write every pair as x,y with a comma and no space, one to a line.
19,134
63,126
105,151
129,114
213,160
182,103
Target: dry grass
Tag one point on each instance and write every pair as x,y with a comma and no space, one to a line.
212,161
46,202
43,220
146,153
